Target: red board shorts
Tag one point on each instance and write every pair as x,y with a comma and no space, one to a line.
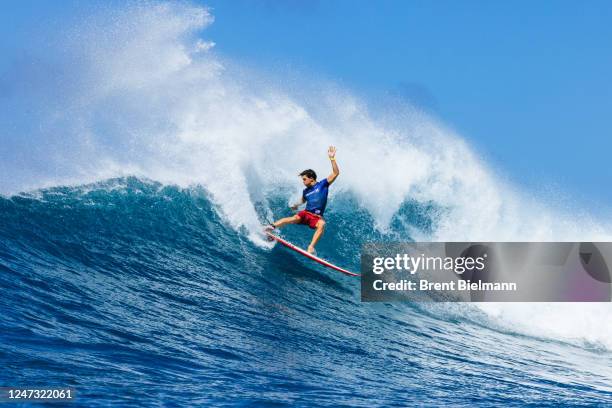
309,218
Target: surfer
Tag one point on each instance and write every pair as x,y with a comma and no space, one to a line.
315,197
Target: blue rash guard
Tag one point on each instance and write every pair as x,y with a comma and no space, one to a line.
316,197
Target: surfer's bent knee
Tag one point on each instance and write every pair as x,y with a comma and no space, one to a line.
321,224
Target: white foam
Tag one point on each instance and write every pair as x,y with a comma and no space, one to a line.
576,322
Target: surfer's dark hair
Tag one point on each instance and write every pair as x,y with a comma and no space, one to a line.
309,173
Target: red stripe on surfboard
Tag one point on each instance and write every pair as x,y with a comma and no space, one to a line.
306,254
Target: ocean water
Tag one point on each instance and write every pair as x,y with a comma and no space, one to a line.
134,292
132,268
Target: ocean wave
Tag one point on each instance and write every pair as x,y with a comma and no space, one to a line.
133,250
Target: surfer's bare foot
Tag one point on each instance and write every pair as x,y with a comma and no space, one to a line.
311,250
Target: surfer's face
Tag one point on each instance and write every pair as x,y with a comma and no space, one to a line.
308,181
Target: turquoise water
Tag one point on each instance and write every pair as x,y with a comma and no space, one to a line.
138,293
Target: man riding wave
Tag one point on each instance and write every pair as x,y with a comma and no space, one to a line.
315,197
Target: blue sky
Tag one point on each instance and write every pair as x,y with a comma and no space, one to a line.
527,83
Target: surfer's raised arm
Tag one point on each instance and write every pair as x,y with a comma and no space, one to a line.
331,153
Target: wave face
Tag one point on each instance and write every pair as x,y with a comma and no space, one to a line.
132,291
132,267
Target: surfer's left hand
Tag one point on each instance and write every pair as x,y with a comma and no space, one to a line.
331,152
